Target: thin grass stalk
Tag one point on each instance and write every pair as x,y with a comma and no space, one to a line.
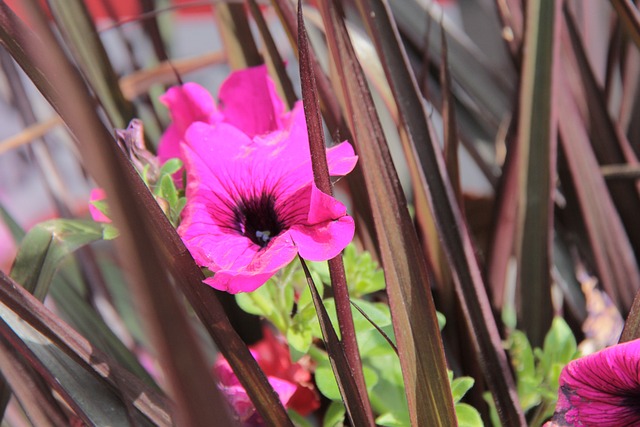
450,129
610,146
346,384
331,112
323,182
630,18
8,336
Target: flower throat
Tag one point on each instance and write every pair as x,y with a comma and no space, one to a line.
257,219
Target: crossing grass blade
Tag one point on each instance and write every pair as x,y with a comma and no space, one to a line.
352,369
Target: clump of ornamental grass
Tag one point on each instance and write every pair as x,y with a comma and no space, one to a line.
336,213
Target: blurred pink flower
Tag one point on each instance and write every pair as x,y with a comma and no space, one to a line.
602,389
97,195
291,381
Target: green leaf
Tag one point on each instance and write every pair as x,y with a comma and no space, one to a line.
468,416
392,420
559,346
171,166
326,381
45,246
273,300
299,337
521,353
363,275
167,190
299,420
334,417
460,387
109,232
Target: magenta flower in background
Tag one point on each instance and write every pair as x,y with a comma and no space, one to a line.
602,389
291,381
97,195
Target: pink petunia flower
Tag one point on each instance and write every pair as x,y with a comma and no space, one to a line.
602,389
251,201
252,205
291,381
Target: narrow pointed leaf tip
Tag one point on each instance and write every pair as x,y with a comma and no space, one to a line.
252,204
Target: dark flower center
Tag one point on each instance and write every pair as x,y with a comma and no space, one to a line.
257,219
631,401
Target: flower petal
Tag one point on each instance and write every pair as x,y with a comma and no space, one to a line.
249,101
187,104
602,388
190,103
327,231
252,269
341,159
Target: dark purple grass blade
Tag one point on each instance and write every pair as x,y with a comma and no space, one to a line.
630,17
612,251
453,231
412,309
77,27
8,336
28,388
273,59
537,133
152,28
353,368
29,392
346,383
148,400
610,146
237,36
450,130
504,224
329,104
